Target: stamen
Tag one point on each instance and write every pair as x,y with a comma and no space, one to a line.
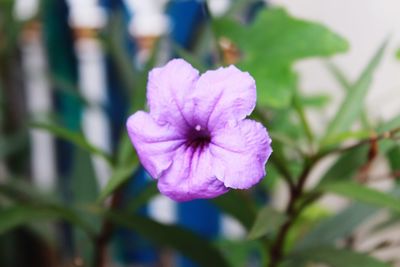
198,127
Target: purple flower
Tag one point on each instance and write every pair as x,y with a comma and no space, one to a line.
196,140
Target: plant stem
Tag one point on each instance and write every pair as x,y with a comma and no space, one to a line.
391,135
100,245
293,210
304,121
277,249
283,171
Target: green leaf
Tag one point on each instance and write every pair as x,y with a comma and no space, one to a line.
274,87
392,219
346,166
389,125
240,252
285,141
387,144
331,229
33,205
350,161
389,222
284,39
120,176
84,189
345,136
335,257
340,77
126,163
343,81
186,55
18,189
267,221
84,185
352,104
12,144
364,194
398,54
316,101
244,213
272,44
142,198
299,108
184,241
68,88
394,158
75,138
19,215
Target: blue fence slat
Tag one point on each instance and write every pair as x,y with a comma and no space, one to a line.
129,248
58,37
185,17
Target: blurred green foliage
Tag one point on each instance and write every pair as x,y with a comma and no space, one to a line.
271,44
301,234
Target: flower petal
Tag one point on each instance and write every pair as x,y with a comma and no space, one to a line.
241,152
155,144
191,176
167,91
222,95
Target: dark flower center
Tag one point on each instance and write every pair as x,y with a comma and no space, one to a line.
198,138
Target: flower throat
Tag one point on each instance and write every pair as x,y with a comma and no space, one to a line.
198,138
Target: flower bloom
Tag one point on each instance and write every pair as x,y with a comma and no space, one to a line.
196,140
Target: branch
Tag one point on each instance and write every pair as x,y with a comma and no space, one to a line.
100,246
276,251
391,175
374,138
294,209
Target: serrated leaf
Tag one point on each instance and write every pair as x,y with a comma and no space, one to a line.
271,44
184,241
352,104
335,257
267,221
363,194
